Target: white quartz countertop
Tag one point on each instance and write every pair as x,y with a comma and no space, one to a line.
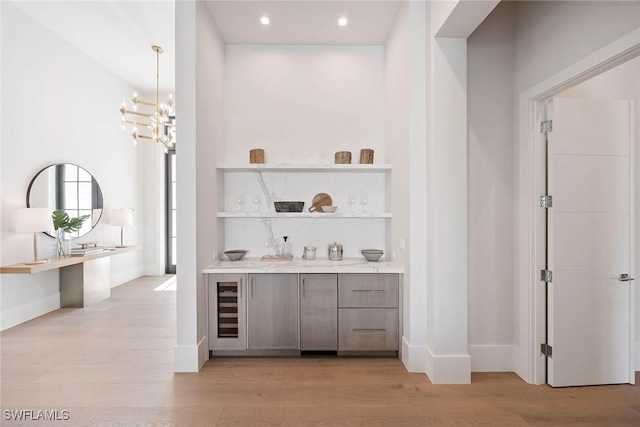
299,265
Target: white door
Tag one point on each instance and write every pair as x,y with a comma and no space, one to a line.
589,242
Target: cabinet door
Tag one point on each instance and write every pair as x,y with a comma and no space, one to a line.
368,290
319,312
227,312
273,311
368,329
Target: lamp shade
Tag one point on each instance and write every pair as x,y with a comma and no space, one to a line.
30,220
121,217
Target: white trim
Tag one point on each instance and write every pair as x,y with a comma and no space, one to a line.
31,310
491,358
414,356
449,369
637,356
529,246
190,358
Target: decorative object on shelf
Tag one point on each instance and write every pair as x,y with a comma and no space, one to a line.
276,258
63,223
288,206
335,252
235,255
329,209
121,218
33,220
320,200
161,122
372,254
87,245
256,155
366,156
309,253
343,157
364,200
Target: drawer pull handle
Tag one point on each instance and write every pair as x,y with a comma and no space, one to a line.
367,290
367,329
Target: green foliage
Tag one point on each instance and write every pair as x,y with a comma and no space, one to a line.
62,221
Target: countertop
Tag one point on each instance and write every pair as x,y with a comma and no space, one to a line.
299,265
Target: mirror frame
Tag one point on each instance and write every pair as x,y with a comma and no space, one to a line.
94,180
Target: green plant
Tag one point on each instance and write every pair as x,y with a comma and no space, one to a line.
62,221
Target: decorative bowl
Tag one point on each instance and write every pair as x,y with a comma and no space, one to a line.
235,255
329,209
372,254
288,206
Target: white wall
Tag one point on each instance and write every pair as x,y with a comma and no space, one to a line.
491,206
210,79
621,83
303,103
58,106
397,136
552,35
200,85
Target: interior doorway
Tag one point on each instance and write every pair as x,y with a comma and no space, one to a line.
170,212
532,184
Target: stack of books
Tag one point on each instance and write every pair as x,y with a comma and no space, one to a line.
82,251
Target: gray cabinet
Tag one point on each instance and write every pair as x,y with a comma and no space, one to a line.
368,312
227,312
273,312
319,312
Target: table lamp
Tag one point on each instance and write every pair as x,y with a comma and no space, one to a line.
122,218
34,220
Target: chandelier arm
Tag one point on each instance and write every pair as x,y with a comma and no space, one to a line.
145,137
140,101
138,113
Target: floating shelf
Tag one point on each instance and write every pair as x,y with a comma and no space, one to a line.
303,168
336,215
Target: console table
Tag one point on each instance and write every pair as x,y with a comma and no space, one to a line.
84,280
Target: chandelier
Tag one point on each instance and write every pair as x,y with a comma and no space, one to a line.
160,120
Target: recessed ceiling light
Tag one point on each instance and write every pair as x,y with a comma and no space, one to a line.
343,21
264,20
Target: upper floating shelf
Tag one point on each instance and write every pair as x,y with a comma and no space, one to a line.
302,215
303,168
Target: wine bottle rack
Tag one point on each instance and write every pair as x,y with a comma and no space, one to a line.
227,309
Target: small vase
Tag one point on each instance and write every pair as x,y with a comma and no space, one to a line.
60,243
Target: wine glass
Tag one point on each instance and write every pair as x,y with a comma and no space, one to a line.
364,200
352,201
240,202
256,202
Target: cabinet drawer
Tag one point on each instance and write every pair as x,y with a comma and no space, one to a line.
368,329
367,290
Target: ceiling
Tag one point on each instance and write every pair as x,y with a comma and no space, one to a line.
118,35
304,21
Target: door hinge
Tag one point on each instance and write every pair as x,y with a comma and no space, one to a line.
546,201
546,126
546,276
546,349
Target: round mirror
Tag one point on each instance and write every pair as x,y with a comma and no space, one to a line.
69,188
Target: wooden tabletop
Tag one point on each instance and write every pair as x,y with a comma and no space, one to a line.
63,262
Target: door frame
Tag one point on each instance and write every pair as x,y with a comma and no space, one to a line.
530,236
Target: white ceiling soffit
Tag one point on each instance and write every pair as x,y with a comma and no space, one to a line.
118,35
304,21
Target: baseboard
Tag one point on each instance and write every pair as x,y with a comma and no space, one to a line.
414,356
190,358
31,310
449,369
491,358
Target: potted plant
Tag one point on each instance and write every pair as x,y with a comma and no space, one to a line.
63,223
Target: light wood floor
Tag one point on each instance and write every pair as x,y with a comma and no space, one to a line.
112,365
